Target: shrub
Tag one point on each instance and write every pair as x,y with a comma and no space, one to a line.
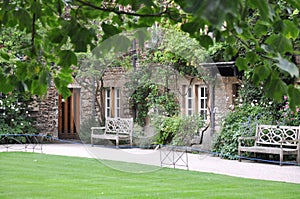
143,137
287,116
240,122
177,130
15,115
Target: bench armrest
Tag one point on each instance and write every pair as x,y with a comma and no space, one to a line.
245,138
97,128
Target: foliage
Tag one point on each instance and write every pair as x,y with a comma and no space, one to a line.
176,130
142,137
252,107
149,96
265,31
166,128
217,51
148,91
241,122
251,94
268,32
15,115
288,116
189,127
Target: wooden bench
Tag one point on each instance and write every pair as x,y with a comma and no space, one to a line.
115,129
272,139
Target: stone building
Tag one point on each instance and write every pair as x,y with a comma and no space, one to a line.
65,118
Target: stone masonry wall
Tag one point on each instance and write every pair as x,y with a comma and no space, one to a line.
45,110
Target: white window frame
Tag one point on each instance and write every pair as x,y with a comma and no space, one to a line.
107,103
189,97
117,102
202,101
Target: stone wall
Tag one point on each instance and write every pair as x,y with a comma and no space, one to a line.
45,110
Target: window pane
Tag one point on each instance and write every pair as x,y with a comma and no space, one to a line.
189,103
202,91
190,92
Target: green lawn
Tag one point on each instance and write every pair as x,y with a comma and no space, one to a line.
29,175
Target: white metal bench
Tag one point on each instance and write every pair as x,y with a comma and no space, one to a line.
272,139
115,129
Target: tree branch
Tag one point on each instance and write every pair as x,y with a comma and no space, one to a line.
59,9
33,33
120,12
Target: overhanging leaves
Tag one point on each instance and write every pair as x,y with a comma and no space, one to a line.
294,96
275,88
280,43
241,63
287,66
67,58
264,10
205,41
290,30
260,29
261,73
6,85
109,30
213,11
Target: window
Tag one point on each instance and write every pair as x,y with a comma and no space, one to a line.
117,102
189,101
112,102
195,100
107,102
202,101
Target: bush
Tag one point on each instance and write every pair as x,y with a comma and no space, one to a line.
177,130
15,115
287,116
143,137
241,122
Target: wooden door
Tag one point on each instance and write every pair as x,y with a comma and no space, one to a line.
69,115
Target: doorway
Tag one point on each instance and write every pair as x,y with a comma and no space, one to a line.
69,115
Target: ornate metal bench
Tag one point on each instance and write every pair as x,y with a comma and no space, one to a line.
272,139
115,129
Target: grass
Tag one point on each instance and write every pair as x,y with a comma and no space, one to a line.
31,175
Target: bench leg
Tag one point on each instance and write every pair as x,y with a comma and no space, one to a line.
298,157
117,142
92,141
239,154
281,158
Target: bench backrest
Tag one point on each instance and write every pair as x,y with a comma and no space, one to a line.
277,135
119,125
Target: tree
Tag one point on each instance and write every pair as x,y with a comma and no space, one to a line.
268,32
